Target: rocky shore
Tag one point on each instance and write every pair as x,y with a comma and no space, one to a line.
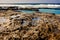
25,26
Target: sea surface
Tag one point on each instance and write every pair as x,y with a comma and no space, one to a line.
46,10
56,11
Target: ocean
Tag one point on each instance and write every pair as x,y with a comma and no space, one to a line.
46,10
56,11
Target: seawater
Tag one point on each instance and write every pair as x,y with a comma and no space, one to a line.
26,11
56,11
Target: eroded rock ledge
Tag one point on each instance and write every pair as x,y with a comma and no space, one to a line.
24,26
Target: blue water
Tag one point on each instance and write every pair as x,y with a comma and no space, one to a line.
26,11
56,11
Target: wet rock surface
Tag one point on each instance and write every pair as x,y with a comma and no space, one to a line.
22,26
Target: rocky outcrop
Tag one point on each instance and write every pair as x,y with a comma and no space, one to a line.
35,26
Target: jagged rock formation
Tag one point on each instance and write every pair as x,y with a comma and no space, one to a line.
22,26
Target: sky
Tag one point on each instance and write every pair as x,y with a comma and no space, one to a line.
29,1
